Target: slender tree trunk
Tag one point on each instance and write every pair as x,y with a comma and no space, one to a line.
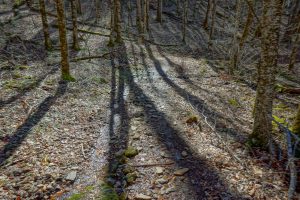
117,18
265,93
47,40
65,67
235,45
112,24
247,26
146,16
208,11
139,16
79,8
74,22
159,11
184,20
213,17
97,7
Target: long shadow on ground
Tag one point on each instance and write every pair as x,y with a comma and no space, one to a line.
21,133
204,181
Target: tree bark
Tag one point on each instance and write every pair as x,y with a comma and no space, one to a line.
47,40
75,45
139,16
65,67
208,11
265,93
159,11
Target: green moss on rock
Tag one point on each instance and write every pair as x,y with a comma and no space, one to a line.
131,152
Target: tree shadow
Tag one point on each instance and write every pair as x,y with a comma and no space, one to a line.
118,120
204,181
21,133
28,88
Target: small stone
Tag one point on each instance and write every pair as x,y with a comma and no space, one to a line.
139,149
71,176
181,172
159,170
142,197
161,181
136,136
184,153
169,190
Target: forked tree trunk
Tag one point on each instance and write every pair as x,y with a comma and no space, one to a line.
43,12
65,67
265,93
75,45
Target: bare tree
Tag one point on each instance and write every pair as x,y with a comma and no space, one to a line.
270,25
47,40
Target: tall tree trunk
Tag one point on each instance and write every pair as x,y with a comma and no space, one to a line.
97,7
213,18
112,24
79,7
247,26
184,20
75,45
270,29
65,67
208,11
146,16
139,21
235,44
43,12
159,11
117,18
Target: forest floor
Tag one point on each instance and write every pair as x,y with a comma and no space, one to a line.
151,120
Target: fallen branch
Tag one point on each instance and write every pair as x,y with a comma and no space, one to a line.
90,57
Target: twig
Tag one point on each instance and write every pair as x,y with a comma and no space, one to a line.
83,151
153,164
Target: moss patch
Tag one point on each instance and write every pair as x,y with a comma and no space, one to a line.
131,152
108,192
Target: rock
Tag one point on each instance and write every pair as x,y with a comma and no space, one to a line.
142,197
130,152
136,136
169,190
139,149
71,176
184,154
161,181
181,172
159,170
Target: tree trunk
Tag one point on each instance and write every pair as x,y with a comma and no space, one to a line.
235,44
117,18
184,20
159,11
97,7
146,16
79,8
74,22
65,67
208,11
47,40
112,24
248,24
212,26
270,29
139,16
